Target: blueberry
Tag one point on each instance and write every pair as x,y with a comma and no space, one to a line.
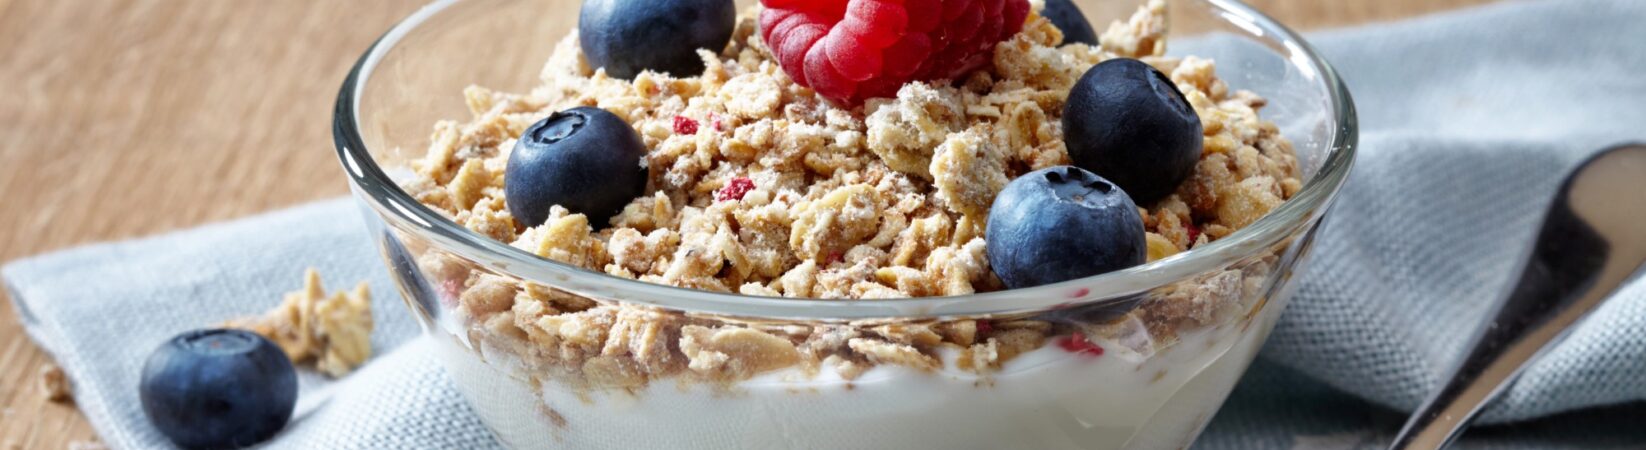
218,388
1068,18
1127,122
585,159
628,36
1062,223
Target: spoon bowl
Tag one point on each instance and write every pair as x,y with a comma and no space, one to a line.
1591,242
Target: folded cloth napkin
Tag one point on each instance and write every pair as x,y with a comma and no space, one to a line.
1468,120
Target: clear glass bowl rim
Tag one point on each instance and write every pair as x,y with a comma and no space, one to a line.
374,186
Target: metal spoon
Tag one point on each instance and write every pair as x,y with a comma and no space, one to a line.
1592,241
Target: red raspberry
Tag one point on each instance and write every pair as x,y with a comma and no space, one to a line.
450,291
850,50
1077,343
714,120
684,125
734,190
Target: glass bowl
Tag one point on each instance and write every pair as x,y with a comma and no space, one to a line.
1115,385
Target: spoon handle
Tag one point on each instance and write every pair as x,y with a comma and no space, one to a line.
1590,243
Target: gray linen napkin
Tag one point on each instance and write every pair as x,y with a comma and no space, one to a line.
1468,120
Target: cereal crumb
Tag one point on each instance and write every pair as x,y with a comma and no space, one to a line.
334,332
883,352
733,353
1144,34
904,133
968,172
55,384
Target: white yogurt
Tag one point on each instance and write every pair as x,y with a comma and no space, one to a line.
1048,398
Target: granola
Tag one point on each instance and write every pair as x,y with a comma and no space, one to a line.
760,187
333,332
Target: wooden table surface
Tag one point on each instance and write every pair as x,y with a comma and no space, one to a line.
123,119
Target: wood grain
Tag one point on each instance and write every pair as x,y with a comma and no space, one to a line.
151,115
